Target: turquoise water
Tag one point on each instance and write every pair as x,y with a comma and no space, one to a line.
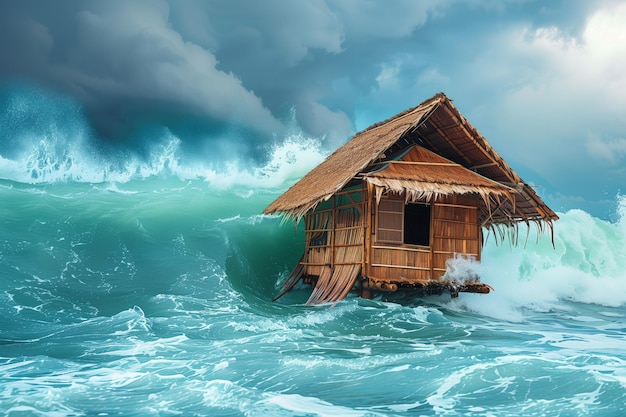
143,288
154,300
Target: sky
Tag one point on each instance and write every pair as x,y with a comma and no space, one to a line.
543,81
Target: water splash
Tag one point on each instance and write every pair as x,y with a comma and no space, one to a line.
587,265
461,269
55,160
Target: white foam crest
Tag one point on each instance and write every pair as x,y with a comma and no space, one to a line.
461,269
224,394
51,158
452,387
310,319
288,162
586,265
140,347
54,158
296,403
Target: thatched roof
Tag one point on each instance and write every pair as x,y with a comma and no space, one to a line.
422,175
437,126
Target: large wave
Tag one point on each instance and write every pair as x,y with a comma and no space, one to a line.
47,139
587,263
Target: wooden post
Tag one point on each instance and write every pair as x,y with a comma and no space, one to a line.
433,210
364,223
369,229
480,231
332,232
366,293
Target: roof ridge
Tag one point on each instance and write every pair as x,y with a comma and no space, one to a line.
438,96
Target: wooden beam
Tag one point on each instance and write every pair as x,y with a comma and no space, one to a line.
420,249
332,232
448,164
416,268
433,209
358,206
475,167
365,220
457,206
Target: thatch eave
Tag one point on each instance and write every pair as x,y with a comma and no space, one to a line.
298,212
429,189
436,125
338,169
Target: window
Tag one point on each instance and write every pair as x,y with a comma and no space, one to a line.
417,224
403,223
389,221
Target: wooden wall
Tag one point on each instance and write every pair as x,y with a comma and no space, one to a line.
334,233
454,229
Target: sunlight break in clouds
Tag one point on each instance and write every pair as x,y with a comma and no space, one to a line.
562,102
559,71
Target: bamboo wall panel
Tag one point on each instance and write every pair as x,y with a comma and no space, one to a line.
401,264
391,204
390,221
400,257
400,274
444,229
456,230
457,213
334,246
440,259
317,254
314,259
463,200
346,257
389,235
457,245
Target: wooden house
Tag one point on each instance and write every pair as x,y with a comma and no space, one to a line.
389,209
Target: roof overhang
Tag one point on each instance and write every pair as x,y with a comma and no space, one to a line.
437,126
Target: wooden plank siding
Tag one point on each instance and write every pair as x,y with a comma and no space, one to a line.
454,230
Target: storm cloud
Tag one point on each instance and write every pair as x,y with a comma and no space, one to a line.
544,82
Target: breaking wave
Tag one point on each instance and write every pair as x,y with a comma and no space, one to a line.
51,160
46,140
586,265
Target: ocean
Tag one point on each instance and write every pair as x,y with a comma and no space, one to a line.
143,287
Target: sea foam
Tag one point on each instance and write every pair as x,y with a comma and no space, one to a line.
53,161
587,264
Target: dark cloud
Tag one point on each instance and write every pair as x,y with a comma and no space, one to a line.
247,62
124,61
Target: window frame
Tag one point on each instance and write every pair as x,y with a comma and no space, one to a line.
402,229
